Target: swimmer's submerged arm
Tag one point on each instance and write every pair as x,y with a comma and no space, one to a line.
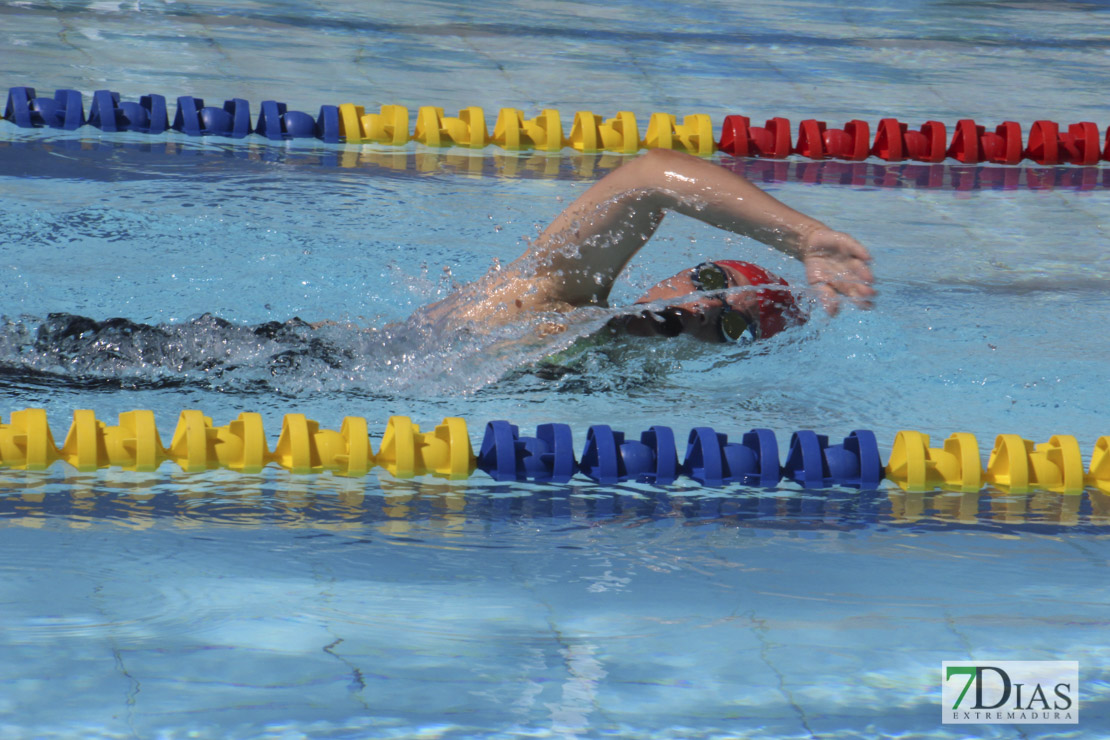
580,255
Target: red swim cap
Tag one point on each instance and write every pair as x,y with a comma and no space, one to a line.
777,309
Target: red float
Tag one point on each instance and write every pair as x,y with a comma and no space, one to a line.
972,144
852,142
1004,145
1044,142
739,138
1048,145
894,141
1081,143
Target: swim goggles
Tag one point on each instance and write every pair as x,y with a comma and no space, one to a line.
709,277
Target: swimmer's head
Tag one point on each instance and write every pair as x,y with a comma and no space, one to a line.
698,301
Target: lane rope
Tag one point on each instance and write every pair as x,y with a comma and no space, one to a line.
1015,464
1048,142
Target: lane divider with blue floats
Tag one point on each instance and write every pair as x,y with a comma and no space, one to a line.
609,456
1048,143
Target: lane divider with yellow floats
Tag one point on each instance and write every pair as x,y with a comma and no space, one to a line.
609,456
1048,142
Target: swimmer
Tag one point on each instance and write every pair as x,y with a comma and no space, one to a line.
576,260
572,264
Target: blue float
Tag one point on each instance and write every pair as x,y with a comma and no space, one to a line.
660,440
714,461
148,116
68,110
105,113
17,109
195,119
549,456
805,462
609,459
276,123
766,446
813,463
26,110
856,463
497,455
704,459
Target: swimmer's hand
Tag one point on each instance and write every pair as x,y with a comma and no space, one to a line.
837,266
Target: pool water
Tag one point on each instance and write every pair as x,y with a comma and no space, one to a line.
221,605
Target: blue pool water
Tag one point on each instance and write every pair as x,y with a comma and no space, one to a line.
222,605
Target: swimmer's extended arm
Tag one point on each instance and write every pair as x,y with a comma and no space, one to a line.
580,255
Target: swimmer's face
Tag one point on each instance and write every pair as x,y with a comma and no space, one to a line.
698,312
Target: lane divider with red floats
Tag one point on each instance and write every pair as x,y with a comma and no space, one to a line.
1048,143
